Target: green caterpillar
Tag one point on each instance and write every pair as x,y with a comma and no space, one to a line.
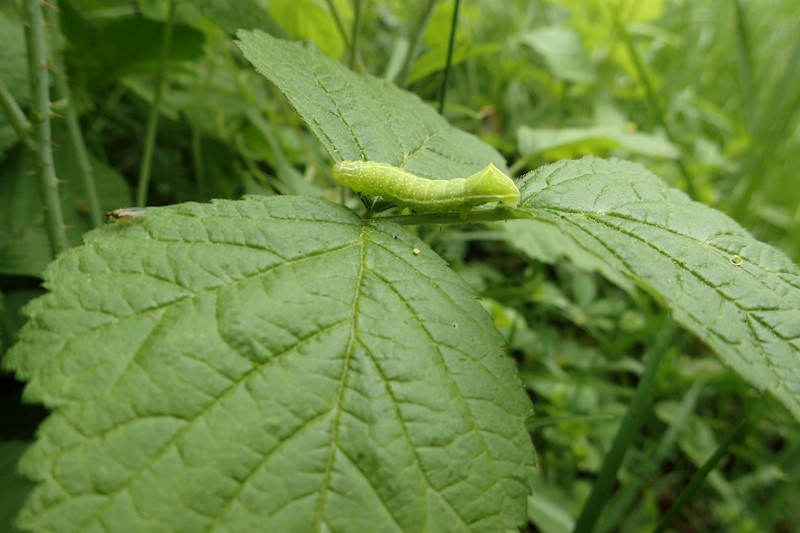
426,195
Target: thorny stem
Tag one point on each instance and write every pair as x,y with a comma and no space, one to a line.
40,121
73,125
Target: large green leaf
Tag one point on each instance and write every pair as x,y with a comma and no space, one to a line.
270,364
360,117
742,297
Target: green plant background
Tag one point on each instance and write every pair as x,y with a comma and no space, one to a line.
703,94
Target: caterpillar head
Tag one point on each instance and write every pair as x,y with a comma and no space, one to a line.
492,183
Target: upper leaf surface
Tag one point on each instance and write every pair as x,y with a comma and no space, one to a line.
270,364
742,297
362,118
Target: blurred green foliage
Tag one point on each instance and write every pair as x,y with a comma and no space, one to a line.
704,93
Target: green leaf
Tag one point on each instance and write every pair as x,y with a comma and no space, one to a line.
563,52
306,19
24,248
269,364
549,508
545,242
556,143
230,16
740,296
127,46
360,117
435,59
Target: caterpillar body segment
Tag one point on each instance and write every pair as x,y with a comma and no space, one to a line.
426,195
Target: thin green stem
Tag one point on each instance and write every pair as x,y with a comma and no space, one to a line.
73,125
197,162
337,18
416,41
152,122
450,47
770,132
40,119
16,117
618,507
745,68
700,476
356,32
625,434
197,139
487,215
518,165
655,105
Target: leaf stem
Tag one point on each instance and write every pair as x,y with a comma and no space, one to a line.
450,46
40,122
16,117
745,65
416,41
357,6
700,476
197,163
152,121
337,18
622,441
487,215
655,105
770,132
71,116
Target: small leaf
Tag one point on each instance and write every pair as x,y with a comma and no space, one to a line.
740,296
585,141
362,118
306,19
270,364
435,60
563,52
230,16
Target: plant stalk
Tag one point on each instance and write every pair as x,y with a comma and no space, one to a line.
700,476
359,11
770,131
655,104
497,214
40,125
625,434
416,41
64,93
450,46
337,18
745,65
16,117
155,109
